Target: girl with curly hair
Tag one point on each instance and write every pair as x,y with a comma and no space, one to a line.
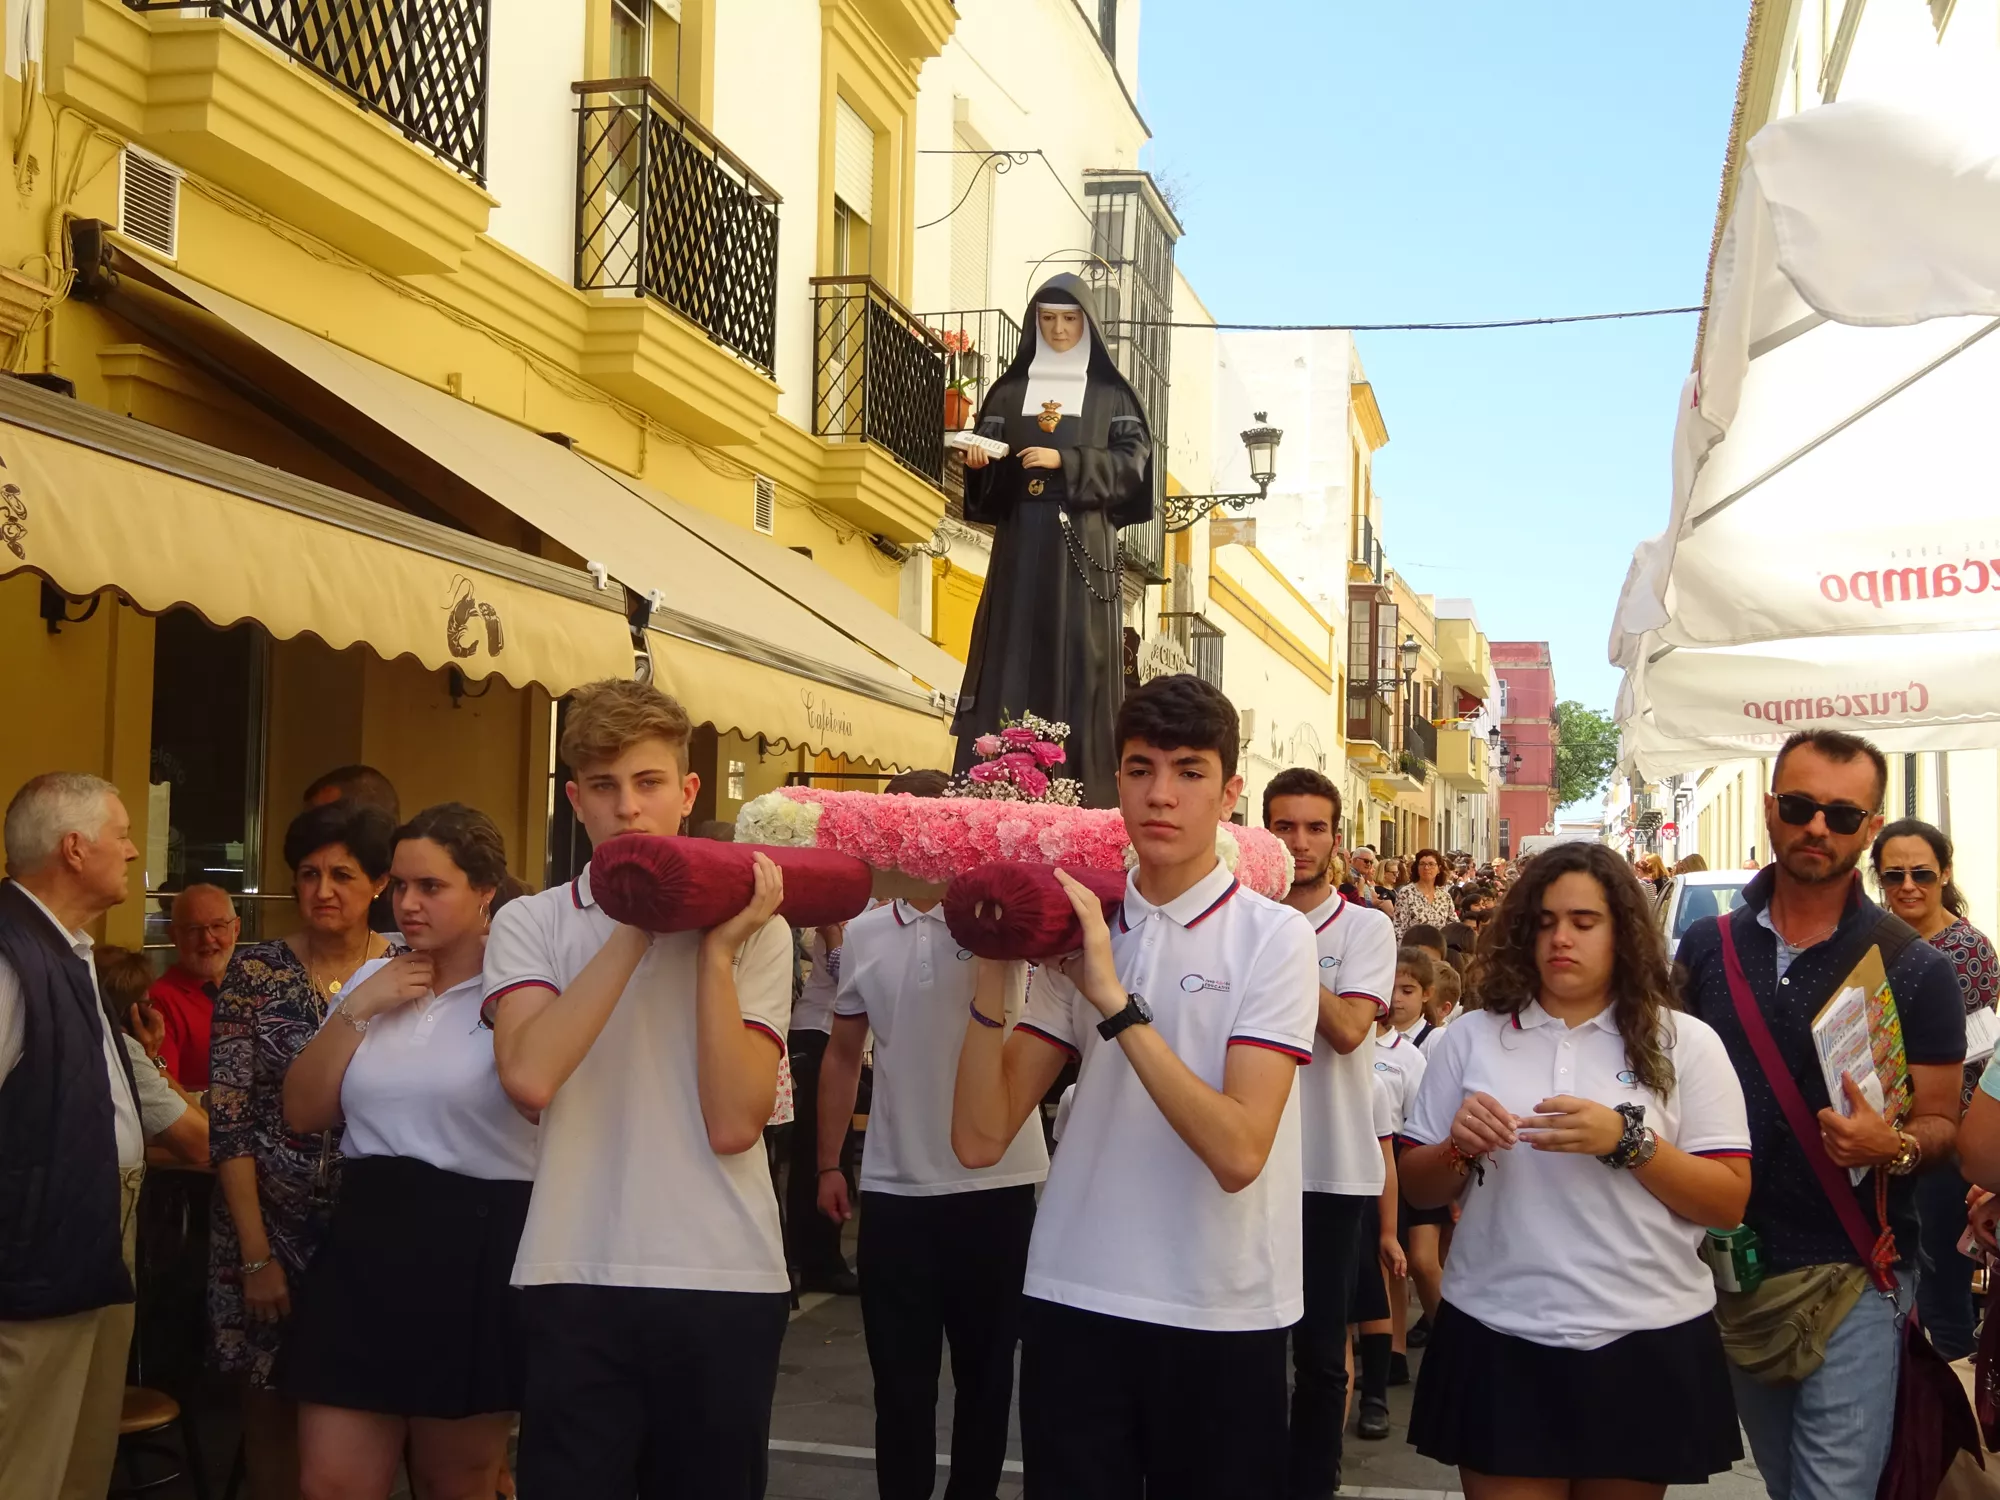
1590,1130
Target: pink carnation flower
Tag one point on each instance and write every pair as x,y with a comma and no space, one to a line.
987,744
1020,734
985,771
1034,783
1018,761
1049,753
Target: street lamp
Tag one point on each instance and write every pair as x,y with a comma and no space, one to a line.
1261,443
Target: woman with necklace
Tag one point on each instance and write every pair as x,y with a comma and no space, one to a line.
1912,864
277,1188
1426,900
407,1339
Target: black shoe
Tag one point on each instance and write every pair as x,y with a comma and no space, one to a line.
1420,1335
1373,1423
839,1283
1399,1369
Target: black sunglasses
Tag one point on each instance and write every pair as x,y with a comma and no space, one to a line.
1798,809
1897,877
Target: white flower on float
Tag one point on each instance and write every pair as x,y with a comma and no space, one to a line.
777,819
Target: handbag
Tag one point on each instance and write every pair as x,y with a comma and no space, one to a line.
1933,1421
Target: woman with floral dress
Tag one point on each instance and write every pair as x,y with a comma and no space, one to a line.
276,1189
1912,864
1426,900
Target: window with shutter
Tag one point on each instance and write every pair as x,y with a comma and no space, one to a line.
853,161
971,225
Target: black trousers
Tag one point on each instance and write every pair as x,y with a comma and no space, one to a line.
662,1394
1319,1342
945,1268
1115,1409
812,1240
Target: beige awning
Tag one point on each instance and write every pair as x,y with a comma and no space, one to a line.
91,501
719,587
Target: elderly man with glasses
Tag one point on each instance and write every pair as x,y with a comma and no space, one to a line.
205,928
1760,975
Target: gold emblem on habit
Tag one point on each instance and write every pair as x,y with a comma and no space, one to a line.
1051,415
1034,486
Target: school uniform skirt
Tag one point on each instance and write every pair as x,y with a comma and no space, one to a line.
1653,1406
408,1309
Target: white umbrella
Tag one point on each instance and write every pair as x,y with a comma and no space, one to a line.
1837,457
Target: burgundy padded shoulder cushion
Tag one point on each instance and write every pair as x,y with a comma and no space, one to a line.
1008,910
686,884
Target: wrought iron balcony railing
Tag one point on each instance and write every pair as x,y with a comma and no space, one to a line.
1421,736
978,346
420,64
1200,638
665,210
878,373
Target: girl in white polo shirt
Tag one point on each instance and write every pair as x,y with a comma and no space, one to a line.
1590,1130
407,1332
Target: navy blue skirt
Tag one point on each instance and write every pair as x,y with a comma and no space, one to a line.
1653,1407
408,1309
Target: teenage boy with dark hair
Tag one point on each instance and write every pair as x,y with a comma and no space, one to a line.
1164,1268
653,1271
943,1246
1344,1166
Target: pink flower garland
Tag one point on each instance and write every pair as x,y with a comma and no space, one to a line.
935,838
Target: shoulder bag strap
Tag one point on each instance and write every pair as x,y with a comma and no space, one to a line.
1877,1251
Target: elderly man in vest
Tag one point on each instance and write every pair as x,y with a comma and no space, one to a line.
71,1151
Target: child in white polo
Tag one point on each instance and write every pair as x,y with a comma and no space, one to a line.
654,1288
1345,1162
1165,1264
943,1246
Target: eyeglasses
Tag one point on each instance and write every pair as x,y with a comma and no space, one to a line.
1898,877
1798,809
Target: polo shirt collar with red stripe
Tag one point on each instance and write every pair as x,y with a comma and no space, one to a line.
579,891
1327,913
1189,909
1531,1015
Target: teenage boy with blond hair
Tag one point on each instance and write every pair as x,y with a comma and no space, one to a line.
1164,1267
653,1271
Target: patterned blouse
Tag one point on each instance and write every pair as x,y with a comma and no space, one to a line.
1978,969
1415,909
266,1012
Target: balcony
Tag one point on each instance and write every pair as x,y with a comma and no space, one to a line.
1420,737
978,346
1371,730
1467,660
1200,638
419,64
1462,755
665,210
878,374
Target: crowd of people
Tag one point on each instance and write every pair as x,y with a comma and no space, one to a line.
484,1156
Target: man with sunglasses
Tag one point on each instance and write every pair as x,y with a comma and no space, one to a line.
1803,925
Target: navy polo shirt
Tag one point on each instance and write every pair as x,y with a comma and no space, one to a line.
1788,1209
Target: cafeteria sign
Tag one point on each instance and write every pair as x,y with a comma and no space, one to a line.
822,717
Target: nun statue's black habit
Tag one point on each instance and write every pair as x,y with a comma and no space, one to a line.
1048,638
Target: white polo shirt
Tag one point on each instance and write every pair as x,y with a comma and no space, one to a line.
1131,1223
814,1012
902,970
628,1191
1357,956
423,1084
1399,1069
1558,1248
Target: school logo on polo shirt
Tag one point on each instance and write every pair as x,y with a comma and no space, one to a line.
964,955
1381,1067
1628,1076
1194,984
1329,962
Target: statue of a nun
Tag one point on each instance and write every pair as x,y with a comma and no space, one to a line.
1048,637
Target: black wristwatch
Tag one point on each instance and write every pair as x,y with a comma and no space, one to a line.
1136,1013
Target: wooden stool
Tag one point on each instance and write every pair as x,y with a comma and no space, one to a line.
142,1429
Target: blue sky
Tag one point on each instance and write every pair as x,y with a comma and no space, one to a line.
1425,160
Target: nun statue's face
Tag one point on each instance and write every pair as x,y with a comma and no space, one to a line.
1061,326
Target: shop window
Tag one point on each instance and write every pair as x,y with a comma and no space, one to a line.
205,803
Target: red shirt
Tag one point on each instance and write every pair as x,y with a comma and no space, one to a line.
187,1006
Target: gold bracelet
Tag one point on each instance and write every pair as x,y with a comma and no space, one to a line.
360,1025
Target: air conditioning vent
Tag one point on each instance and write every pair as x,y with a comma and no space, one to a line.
149,201
764,504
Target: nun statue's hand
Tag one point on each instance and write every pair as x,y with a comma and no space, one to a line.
975,458
1040,458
